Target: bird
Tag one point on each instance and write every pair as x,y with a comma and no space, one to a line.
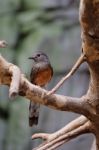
41,74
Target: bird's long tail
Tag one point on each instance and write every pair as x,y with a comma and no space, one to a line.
33,113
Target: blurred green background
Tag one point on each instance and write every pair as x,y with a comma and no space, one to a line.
52,26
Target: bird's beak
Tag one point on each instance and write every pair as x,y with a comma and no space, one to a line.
31,57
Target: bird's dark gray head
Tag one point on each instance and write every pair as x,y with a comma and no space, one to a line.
39,56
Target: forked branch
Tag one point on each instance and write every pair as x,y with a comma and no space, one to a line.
72,130
71,126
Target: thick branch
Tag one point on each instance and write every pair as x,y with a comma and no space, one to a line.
63,103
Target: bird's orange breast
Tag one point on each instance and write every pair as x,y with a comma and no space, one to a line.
43,76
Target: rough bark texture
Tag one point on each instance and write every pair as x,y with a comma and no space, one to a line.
88,105
89,19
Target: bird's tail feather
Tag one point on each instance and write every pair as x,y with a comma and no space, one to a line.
33,113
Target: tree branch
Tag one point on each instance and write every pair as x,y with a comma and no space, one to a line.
80,60
10,75
53,142
55,101
71,126
3,44
15,76
93,145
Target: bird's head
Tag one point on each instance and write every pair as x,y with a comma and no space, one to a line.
39,57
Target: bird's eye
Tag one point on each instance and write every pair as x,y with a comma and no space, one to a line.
38,55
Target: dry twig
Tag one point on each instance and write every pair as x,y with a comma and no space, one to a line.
3,44
80,60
